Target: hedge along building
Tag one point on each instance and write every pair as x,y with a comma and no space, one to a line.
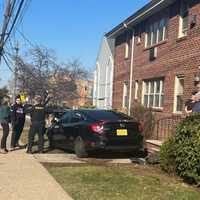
157,56
103,75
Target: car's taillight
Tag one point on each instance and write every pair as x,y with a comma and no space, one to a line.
98,126
141,127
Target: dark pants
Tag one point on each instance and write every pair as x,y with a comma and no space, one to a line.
36,127
16,132
5,127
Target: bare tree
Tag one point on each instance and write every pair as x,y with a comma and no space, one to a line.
40,72
63,83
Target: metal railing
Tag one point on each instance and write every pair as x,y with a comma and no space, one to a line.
166,126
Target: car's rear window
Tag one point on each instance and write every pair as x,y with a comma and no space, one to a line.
106,115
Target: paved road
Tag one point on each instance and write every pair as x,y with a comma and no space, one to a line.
22,177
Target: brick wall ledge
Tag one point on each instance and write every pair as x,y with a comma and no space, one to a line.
181,39
155,45
155,142
157,109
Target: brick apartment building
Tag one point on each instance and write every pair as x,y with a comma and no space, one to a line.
157,56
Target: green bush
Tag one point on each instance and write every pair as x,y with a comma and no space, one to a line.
181,153
167,157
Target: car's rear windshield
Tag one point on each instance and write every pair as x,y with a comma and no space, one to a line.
106,115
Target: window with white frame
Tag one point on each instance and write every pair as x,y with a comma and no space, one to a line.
179,91
153,93
156,32
136,89
125,96
126,50
184,18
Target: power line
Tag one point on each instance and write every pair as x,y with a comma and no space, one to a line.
7,15
34,45
25,68
23,12
14,21
6,62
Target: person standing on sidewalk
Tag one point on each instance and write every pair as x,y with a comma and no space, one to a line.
37,114
17,120
4,120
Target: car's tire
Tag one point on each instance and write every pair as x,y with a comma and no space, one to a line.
79,148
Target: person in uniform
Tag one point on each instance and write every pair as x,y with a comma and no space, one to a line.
37,114
17,121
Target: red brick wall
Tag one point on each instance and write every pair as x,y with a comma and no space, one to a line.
175,57
121,69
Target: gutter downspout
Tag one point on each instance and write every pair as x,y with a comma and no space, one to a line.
131,72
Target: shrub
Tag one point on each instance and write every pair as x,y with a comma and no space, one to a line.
145,116
181,153
167,157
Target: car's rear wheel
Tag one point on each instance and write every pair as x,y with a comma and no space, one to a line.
79,148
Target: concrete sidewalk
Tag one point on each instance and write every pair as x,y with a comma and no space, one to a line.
22,177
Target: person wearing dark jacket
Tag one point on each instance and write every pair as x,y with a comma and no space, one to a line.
190,103
17,120
4,120
37,113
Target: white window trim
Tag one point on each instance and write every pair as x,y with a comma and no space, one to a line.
98,84
160,93
109,84
136,90
181,31
126,50
106,86
111,80
151,27
175,94
95,89
125,94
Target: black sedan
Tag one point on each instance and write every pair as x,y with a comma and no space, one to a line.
87,130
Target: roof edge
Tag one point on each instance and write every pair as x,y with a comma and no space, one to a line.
136,16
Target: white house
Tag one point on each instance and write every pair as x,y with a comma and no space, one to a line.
103,75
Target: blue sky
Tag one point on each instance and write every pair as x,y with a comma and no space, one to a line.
73,28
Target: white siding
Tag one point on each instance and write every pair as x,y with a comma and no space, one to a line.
104,76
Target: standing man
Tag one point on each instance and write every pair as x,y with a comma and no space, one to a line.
17,120
190,103
4,120
37,113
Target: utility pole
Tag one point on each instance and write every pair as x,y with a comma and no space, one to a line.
7,15
15,73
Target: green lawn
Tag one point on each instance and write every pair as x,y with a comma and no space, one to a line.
121,183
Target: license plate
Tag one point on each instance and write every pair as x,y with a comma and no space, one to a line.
122,132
